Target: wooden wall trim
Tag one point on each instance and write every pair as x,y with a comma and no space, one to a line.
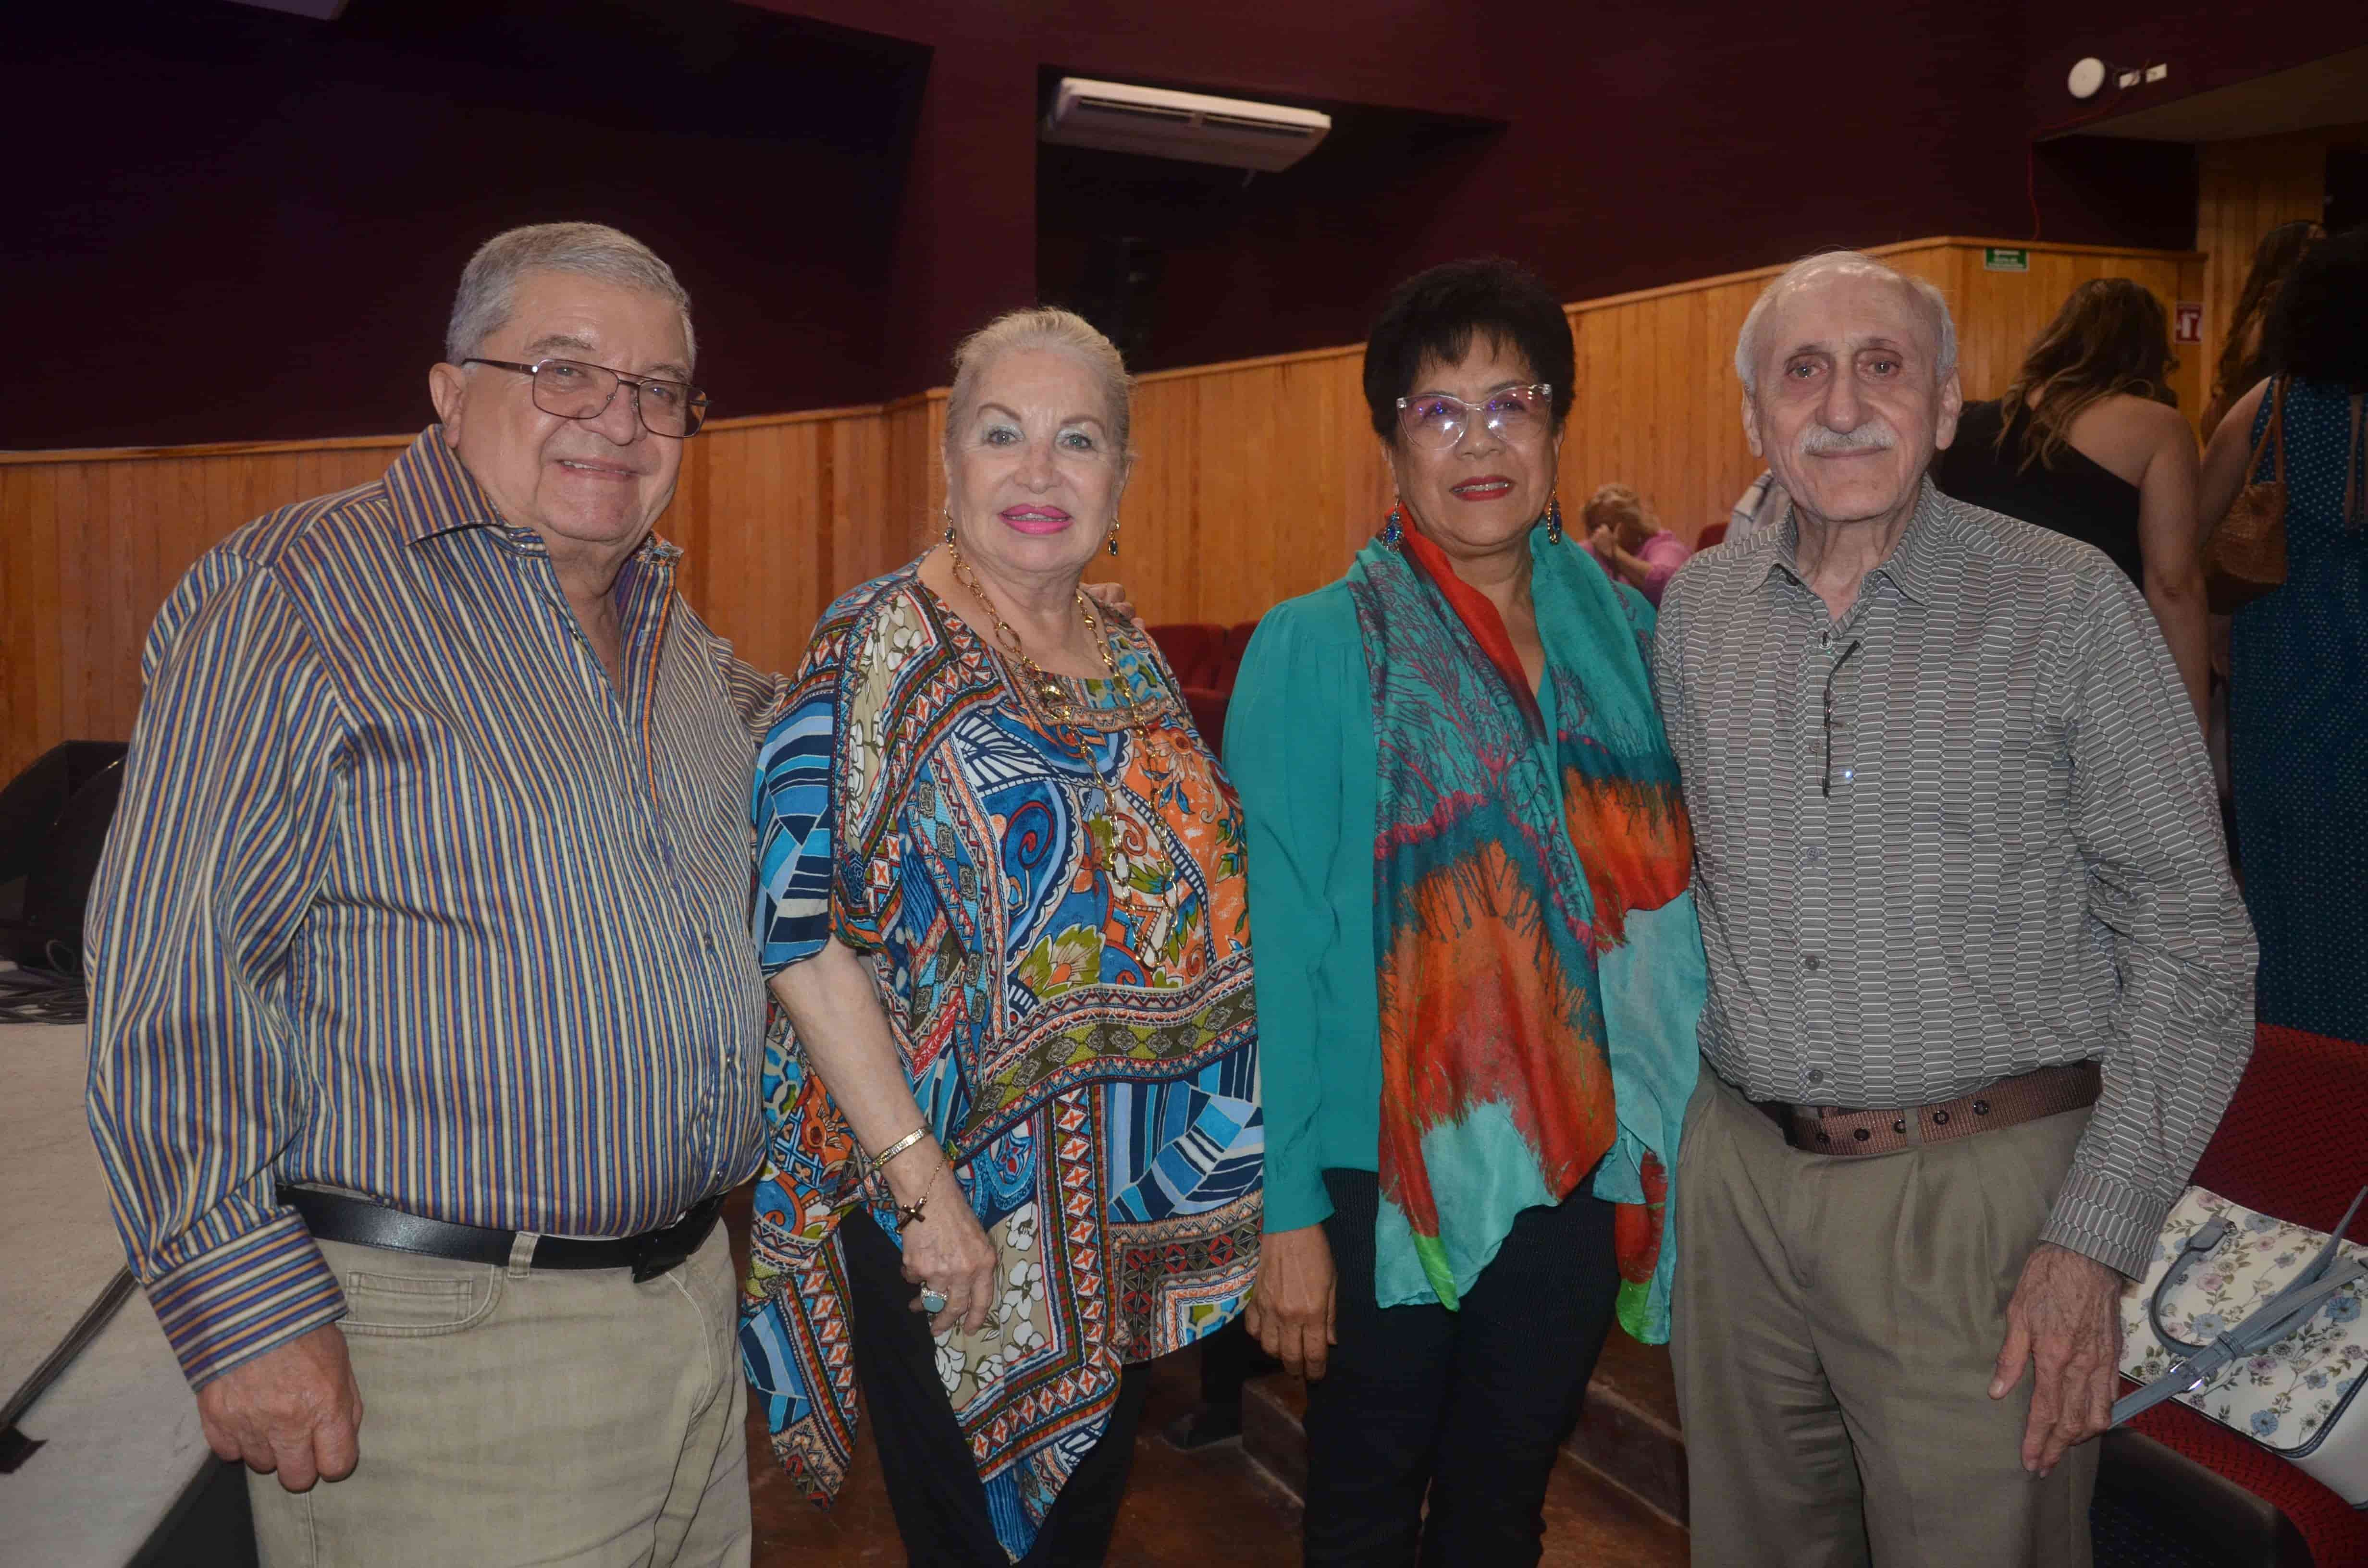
373,443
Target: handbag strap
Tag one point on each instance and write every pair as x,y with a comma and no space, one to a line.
2273,436
2355,467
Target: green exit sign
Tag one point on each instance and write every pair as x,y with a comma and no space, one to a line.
2004,259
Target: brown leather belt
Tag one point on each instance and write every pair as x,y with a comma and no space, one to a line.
2010,1102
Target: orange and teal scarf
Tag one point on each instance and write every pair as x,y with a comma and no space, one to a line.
1540,968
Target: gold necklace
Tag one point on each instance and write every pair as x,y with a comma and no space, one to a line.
1043,690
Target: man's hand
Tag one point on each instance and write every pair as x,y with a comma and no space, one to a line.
1290,1311
2066,1320
294,1410
1113,597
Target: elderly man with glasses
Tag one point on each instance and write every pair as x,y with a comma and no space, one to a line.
425,1023
1980,986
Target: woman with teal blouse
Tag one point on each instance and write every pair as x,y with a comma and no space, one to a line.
1476,961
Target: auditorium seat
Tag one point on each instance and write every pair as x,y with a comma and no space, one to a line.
2290,1146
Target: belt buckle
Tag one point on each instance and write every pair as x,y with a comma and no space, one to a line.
660,1252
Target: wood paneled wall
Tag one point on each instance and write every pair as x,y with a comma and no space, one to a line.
1256,481
2243,189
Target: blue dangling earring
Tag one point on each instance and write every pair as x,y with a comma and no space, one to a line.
1553,518
1114,539
1393,531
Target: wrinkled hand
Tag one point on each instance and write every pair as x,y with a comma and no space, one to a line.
294,1410
2066,1320
946,1250
1113,597
1291,1306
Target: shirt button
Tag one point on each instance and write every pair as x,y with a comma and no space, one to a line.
1816,1074
1815,855
1812,964
1825,639
1849,774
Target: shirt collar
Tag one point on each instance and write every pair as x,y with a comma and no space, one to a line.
1911,566
434,493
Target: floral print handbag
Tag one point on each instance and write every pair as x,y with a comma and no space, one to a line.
2204,1326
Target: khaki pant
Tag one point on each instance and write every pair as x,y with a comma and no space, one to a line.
516,1416
1837,1324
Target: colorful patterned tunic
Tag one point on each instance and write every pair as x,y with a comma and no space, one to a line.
1062,949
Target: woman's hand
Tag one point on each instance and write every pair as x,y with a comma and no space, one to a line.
945,1250
1290,1307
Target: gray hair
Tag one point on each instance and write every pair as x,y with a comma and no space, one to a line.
1928,297
489,283
1042,326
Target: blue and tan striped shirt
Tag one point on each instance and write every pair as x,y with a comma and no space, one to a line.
405,898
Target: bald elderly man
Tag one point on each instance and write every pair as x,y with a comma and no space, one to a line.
1981,986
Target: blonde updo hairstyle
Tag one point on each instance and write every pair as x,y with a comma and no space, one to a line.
1617,507
1041,326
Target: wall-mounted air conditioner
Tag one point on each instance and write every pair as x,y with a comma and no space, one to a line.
1194,127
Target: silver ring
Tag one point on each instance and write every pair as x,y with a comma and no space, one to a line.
932,1302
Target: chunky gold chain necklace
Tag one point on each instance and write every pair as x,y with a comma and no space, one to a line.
1046,692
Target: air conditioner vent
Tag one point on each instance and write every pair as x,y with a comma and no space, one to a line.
1237,133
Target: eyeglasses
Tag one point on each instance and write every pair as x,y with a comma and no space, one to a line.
1827,788
573,390
1435,419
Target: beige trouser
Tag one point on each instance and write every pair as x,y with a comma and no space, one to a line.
1837,1324
516,1416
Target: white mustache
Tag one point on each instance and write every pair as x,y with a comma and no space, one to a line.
1874,436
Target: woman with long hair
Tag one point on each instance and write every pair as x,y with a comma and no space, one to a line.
2297,723
2085,442
2240,369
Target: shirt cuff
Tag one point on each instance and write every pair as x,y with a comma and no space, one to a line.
1295,1197
2110,1220
253,1293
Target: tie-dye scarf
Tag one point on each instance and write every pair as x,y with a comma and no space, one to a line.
1540,968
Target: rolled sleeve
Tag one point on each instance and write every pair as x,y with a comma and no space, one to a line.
790,814
2159,892
222,833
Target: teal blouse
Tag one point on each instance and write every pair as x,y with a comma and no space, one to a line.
1299,743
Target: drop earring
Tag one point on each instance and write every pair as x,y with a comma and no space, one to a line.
1553,518
1114,538
950,522
1394,531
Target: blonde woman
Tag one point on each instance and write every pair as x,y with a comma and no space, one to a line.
1015,1146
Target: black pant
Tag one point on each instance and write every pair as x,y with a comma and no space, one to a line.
1469,1406
932,1481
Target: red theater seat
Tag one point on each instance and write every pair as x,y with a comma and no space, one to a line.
2291,1145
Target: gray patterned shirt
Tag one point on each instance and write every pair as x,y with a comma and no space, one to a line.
2013,860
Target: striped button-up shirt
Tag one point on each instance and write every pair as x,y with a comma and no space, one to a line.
2013,860
405,898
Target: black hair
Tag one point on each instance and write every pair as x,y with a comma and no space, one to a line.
2317,328
1436,313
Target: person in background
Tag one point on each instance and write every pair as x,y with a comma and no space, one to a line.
424,1028
1630,544
1980,986
1000,896
1478,969
1760,507
2297,716
2241,368
2085,442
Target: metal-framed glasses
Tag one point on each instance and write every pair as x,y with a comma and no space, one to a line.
574,390
1827,788
1435,419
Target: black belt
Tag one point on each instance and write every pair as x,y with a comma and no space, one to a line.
334,1218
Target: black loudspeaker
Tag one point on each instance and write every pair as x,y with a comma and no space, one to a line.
54,823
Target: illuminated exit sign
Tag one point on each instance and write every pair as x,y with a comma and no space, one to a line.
2004,259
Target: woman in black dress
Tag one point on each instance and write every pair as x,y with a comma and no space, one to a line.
2085,442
